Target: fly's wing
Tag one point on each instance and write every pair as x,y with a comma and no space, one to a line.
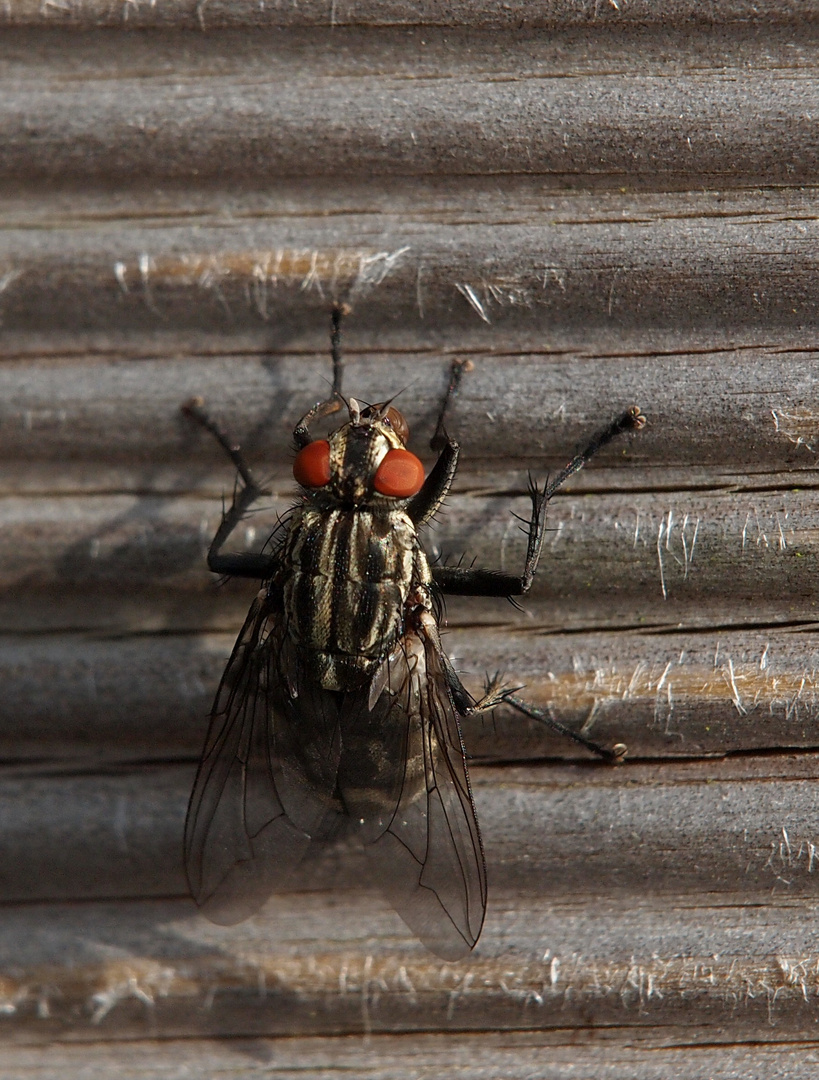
266,780
403,779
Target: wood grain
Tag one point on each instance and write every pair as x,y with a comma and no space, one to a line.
455,102
746,829
598,204
145,697
218,14
310,965
645,272
740,418
611,560
514,1055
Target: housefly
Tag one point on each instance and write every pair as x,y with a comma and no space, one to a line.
339,711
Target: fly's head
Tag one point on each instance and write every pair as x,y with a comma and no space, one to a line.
364,461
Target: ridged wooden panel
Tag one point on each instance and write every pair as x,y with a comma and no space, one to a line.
599,204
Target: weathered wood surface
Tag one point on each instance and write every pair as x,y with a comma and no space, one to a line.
743,417
552,832
639,551
512,1055
617,207
639,274
448,103
313,965
665,694
519,14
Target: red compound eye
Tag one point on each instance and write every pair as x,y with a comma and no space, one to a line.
400,474
312,465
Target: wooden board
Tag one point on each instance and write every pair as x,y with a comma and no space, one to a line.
514,1055
551,832
598,204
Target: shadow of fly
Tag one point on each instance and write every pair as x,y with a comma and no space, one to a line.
339,711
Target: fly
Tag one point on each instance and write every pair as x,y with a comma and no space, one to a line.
339,711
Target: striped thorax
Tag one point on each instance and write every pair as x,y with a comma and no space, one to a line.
352,559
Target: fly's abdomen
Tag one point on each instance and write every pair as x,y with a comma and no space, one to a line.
350,572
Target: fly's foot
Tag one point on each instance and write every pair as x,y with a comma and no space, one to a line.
638,422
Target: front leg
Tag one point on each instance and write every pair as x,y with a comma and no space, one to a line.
246,491
466,581
424,506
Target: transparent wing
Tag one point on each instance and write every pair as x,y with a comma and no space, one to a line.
403,780
266,782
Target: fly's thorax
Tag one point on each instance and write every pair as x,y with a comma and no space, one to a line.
350,574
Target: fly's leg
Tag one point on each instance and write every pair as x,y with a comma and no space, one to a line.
246,492
466,581
248,489
471,582
614,755
457,371
423,506
495,694
301,432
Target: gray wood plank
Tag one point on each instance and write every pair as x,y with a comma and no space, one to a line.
742,418
701,559
475,1056
314,965
463,102
335,13
740,827
475,103
673,272
146,697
